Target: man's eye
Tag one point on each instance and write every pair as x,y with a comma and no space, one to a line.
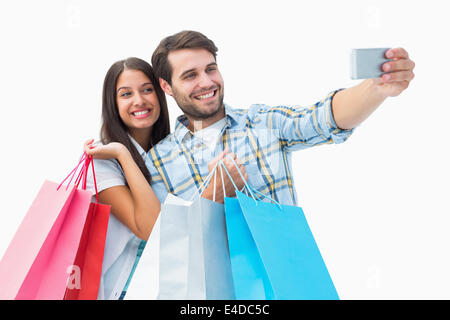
210,69
190,75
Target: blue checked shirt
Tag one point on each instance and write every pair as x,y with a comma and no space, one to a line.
262,137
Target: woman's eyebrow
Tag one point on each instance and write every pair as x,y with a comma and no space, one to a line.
122,88
143,85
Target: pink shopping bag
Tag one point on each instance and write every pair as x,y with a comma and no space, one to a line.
89,259
41,255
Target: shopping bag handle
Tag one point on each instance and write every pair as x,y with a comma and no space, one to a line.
206,183
249,188
72,173
82,174
223,183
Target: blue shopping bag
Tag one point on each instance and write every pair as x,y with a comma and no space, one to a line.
273,252
249,275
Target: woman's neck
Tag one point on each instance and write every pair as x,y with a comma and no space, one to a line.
142,137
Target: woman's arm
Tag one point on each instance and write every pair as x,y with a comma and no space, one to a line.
136,206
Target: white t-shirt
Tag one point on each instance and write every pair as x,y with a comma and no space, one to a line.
210,135
121,245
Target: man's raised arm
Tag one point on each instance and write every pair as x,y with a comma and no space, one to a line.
352,106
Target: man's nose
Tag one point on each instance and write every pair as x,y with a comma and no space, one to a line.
205,81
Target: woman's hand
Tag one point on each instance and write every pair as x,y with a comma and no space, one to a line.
112,150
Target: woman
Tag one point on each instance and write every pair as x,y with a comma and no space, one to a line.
134,118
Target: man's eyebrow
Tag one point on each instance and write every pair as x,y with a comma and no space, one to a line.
193,69
186,72
212,64
143,85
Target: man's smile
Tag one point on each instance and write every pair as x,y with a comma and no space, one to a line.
206,95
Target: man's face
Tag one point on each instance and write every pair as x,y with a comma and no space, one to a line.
197,85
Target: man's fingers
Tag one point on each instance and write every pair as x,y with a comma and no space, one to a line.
397,53
399,65
233,155
217,158
398,76
242,168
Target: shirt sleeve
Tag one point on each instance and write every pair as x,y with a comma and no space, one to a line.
108,173
301,127
158,185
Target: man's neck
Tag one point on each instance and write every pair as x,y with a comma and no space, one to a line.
199,124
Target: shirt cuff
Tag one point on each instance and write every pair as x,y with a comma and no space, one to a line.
337,135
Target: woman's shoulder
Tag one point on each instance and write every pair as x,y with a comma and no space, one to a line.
107,164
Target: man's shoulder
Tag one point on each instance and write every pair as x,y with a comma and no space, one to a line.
253,116
165,151
242,115
252,109
166,144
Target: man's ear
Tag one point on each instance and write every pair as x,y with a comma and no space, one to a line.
165,86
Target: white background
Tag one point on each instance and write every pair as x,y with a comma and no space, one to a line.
377,204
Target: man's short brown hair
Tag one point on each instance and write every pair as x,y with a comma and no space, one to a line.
181,40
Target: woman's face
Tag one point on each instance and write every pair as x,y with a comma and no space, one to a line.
137,100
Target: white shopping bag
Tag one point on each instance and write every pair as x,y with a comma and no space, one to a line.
194,260
121,248
144,283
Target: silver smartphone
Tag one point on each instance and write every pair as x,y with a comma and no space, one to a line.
366,63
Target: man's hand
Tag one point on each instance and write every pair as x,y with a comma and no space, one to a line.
400,72
234,173
353,105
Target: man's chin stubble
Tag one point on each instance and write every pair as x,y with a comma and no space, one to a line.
201,116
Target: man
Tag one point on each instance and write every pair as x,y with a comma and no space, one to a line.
261,137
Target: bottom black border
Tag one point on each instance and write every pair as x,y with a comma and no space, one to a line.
230,309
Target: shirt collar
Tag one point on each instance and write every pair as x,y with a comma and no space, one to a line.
181,131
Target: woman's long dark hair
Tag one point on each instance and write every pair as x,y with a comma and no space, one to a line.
113,129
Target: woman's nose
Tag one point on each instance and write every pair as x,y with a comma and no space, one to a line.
138,99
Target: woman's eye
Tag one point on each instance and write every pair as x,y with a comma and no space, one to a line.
124,94
148,90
